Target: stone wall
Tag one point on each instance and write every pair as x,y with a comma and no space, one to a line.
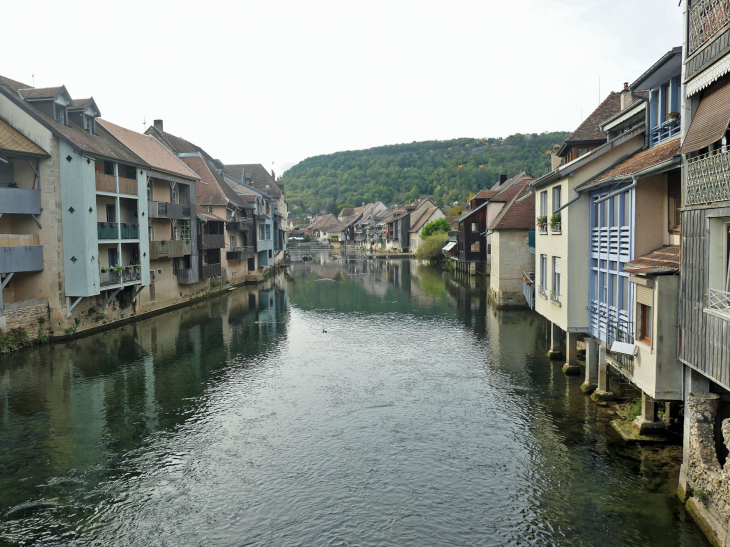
32,316
709,481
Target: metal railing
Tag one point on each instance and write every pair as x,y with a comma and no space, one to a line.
240,224
555,297
620,331
129,231
664,131
186,277
719,301
107,230
706,18
542,291
528,288
239,253
556,228
708,178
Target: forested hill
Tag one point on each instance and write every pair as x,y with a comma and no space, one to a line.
447,171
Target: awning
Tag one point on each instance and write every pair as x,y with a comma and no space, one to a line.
710,121
450,245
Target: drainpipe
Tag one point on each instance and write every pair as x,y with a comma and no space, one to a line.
647,116
567,204
617,192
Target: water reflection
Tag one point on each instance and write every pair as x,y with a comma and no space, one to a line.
388,405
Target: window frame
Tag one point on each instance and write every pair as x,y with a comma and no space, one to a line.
646,318
543,203
556,277
557,203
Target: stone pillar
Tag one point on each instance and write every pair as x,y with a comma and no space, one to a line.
591,382
601,394
571,353
697,385
646,421
555,342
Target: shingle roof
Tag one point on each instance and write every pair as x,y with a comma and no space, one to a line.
202,214
589,130
423,219
518,214
635,163
211,189
149,149
503,192
39,92
665,259
12,140
256,176
321,221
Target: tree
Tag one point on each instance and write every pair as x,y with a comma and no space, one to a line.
432,246
435,226
455,211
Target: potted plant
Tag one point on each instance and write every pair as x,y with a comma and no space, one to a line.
555,220
673,116
541,222
104,270
116,269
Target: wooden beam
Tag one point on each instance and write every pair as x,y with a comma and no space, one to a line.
108,299
69,306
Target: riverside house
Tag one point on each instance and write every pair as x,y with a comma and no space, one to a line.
704,289
414,234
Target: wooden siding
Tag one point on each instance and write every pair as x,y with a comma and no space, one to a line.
106,183
704,338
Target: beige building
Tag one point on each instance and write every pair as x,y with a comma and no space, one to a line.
414,234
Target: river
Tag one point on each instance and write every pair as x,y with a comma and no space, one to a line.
371,403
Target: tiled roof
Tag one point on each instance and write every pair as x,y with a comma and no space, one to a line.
321,221
502,191
347,212
12,140
589,130
39,92
211,189
256,176
518,214
79,103
665,259
202,214
637,162
149,149
423,219
485,194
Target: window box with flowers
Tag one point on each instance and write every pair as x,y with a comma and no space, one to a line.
555,224
541,222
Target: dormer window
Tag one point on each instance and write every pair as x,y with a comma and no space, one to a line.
60,113
89,124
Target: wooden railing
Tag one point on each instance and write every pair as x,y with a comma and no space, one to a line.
186,277
161,209
127,186
170,249
19,240
106,183
211,241
708,178
210,270
706,18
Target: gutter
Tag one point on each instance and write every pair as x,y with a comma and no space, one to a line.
617,192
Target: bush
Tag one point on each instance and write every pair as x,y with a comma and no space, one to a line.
456,211
432,246
438,225
13,341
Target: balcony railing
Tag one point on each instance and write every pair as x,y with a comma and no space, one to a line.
160,209
186,277
556,298
666,130
211,241
107,230
170,249
239,253
706,18
128,274
708,178
210,270
720,301
20,253
19,201
129,231
542,291
528,288
240,224
556,228
106,183
620,331
109,277
127,186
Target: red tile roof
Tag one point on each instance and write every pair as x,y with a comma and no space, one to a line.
662,260
589,130
518,214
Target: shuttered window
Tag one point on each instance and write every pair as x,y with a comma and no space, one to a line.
644,295
710,121
556,274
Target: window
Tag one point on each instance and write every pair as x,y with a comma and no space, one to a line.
262,232
268,208
208,208
89,124
557,202
151,231
556,274
111,212
59,113
185,232
624,282
614,290
475,247
474,227
112,257
667,100
674,190
149,191
268,231
543,271
543,203
646,323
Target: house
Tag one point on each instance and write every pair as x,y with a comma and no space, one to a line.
414,233
172,229
315,226
704,289
511,257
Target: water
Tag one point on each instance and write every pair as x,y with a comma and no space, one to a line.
420,417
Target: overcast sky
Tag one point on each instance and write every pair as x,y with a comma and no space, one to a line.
274,81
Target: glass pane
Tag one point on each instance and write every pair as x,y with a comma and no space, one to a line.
626,198
625,294
614,291
616,206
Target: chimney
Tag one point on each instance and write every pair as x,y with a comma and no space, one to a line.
273,176
626,98
158,126
555,160
502,180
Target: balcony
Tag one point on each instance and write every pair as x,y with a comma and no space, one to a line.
106,183
211,241
107,230
210,270
127,186
719,301
239,253
170,249
666,130
174,211
19,201
240,224
127,274
708,178
706,18
20,253
186,277
129,231
556,298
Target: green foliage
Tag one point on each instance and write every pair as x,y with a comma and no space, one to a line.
343,206
438,225
432,246
542,221
13,340
633,410
307,237
703,496
455,211
555,219
447,171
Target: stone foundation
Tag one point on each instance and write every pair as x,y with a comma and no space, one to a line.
31,316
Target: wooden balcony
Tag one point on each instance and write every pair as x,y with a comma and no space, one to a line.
20,253
106,183
127,186
19,201
186,277
240,224
708,178
240,253
174,211
706,19
210,270
170,249
211,241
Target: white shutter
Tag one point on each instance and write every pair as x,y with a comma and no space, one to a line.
556,264
645,295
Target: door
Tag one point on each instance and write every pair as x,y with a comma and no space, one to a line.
111,212
112,257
